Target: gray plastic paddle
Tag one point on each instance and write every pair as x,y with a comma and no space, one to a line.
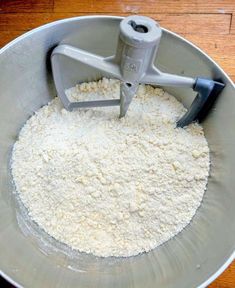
133,64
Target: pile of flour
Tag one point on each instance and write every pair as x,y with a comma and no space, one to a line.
110,186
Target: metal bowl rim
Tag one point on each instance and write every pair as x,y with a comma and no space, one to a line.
54,23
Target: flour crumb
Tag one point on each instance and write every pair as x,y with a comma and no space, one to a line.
110,186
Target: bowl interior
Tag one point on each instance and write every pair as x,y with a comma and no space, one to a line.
188,259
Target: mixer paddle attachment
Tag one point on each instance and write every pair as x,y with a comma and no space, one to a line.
133,64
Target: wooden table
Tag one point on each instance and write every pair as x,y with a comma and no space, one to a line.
210,24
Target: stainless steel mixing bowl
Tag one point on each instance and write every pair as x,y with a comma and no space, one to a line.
193,258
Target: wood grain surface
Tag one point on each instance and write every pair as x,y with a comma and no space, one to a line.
210,24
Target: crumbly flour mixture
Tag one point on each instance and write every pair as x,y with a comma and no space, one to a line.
110,186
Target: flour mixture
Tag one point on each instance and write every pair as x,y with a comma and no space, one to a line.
110,186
